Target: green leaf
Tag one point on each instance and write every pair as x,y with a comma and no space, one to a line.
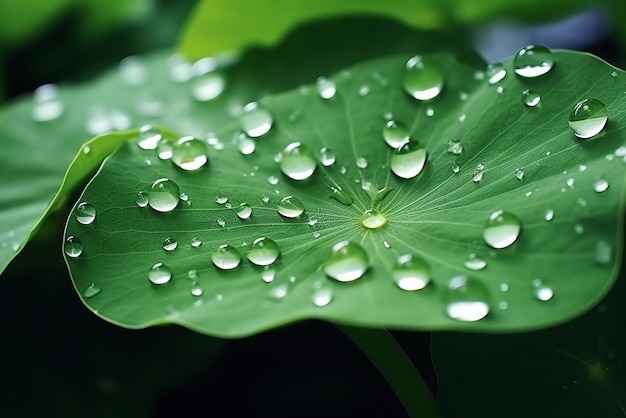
439,216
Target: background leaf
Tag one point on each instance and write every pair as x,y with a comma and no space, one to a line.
438,216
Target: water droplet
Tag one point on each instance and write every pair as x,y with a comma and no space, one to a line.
322,297
312,221
455,147
141,200
579,229
226,257
462,117
372,219
519,173
279,291
327,157
208,86
164,195
408,160
265,199
343,170
495,72
601,185
570,182
455,168
588,118
190,153
316,234
298,161
255,121
159,274
361,162
133,71
85,213
268,274
499,89
290,207
604,252
220,200
73,247
245,211
430,111
422,78
165,149
548,215
411,272
395,133
263,252
47,107
348,262
474,262
541,291
86,149
533,61
502,229
478,173
196,242
221,222
530,98
197,291
326,88
91,291
364,90
170,244
466,299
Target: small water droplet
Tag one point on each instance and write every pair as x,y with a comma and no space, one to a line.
164,195
588,118
141,200
208,86
519,173
340,195
466,299
265,199
499,89
268,274
221,222
279,291
579,229
601,185
316,234
455,168
326,88
581,202
245,211
273,180
395,133
541,291
530,98
290,207
408,160
504,287
463,96
361,162
604,253
165,149
348,262
133,71
312,221
570,182
197,291
372,219
47,107
478,173
170,244
533,61
430,111
256,121
189,153
298,161
327,157
455,147
502,229
474,262
495,73
159,274
263,252
91,291
548,215
422,78
364,90
73,246
322,297
85,213
343,170
226,257
462,117
411,273
220,199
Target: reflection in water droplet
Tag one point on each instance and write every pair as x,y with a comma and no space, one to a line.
408,160
141,200
588,118
170,244
455,168
548,215
430,111
263,252
164,195
322,297
361,162
85,213
73,246
221,222
533,61
519,173
604,253
190,153
530,98
327,157
91,291
341,196
502,229
601,185
208,86
290,207
197,291
268,275
256,121
422,78
395,133
541,291
411,272
226,257
149,137
159,274
165,149
196,242
372,219
348,262
245,211
474,262
364,90
298,161
455,147
326,88
466,299
495,72
279,291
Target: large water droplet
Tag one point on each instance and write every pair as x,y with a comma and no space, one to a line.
189,153
245,211
533,61
601,185
85,213
159,274
322,297
348,262
149,137
588,118
408,160
495,72
327,157
326,88
422,78
170,244
411,272
255,121
466,299
73,246
530,98
395,133
208,86
372,219
164,195
263,252
91,291
474,262
290,207
298,161
47,107
502,229
226,257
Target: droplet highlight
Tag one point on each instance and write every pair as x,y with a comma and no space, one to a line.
255,121
466,299
395,133
164,195
588,118
422,78
226,257
533,61
348,262
408,160
85,213
263,252
502,229
190,153
73,247
290,207
411,272
159,274
298,161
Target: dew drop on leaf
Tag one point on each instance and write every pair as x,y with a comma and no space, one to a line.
190,153
290,207
372,219
263,252
408,160
165,149
73,246
279,291
326,88
245,211
519,174
411,272
141,200
548,215
422,78
298,161
601,185
395,133
533,61
47,107
474,262
322,297
603,253
268,274
85,213
361,162
541,291
495,73
196,242
255,121
348,262
197,291
164,195
455,147
170,244
91,291
327,157
466,299
455,168
208,86
221,222
226,257
133,71
588,118
159,274
530,98
502,229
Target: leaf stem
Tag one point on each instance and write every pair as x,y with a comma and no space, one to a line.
387,355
